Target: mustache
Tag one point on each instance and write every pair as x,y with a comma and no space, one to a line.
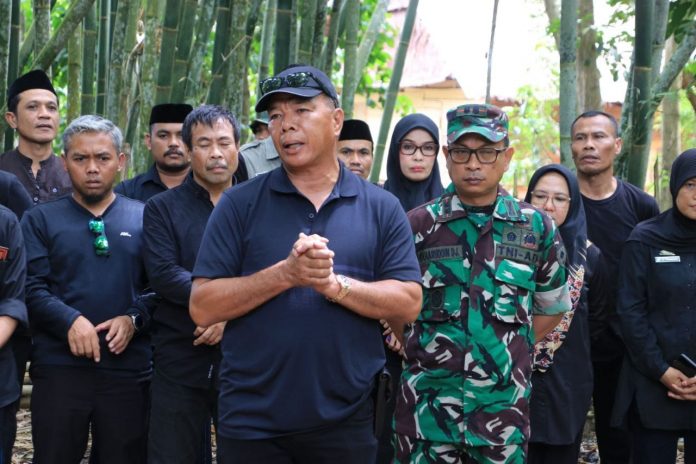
174,151
216,164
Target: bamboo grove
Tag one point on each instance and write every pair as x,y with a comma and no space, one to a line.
118,58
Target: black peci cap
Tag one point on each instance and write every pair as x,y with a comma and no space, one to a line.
169,112
355,129
36,79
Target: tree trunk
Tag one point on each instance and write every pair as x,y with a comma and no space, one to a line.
170,28
183,51
74,74
293,40
329,51
283,26
393,89
89,99
220,48
567,95
194,90
490,52
151,51
589,92
308,22
12,68
237,64
103,58
670,135
350,71
26,47
554,20
118,58
319,28
42,26
267,38
640,144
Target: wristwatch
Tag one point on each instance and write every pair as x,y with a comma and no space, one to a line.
344,282
137,321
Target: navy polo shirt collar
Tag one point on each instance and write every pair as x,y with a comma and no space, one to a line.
348,184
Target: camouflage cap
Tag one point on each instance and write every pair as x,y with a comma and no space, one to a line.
486,120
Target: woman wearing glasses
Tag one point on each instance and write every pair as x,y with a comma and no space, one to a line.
412,172
562,376
656,395
414,178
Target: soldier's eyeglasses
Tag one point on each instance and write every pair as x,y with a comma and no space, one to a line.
540,197
101,244
297,79
409,148
484,155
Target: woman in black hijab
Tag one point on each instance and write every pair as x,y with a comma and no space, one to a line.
562,375
412,172
657,311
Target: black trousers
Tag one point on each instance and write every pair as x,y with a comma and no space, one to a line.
614,444
349,442
385,451
651,446
67,401
8,426
543,453
180,419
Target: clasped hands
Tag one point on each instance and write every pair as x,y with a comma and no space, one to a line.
680,387
310,264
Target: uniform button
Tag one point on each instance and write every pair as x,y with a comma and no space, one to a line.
54,190
36,199
311,215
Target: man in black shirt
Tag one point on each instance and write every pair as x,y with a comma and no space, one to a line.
85,274
32,111
170,156
187,357
612,209
13,313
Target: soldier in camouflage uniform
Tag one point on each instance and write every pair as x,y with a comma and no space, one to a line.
491,265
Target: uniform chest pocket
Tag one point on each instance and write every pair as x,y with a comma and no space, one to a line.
443,283
514,283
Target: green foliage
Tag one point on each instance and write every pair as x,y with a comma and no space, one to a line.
681,12
533,134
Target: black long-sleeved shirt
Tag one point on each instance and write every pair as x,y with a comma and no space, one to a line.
66,279
51,181
12,276
13,195
173,224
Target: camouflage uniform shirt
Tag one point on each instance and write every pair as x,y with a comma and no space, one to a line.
469,355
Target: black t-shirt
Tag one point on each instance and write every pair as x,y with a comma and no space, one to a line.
609,223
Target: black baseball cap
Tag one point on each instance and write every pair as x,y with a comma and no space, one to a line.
302,81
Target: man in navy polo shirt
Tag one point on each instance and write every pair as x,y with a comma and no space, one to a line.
301,261
90,362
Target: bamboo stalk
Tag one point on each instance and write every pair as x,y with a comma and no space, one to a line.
568,89
237,63
89,99
118,57
350,71
12,67
170,28
5,27
318,40
183,50
267,32
220,49
283,28
103,57
393,89
42,25
204,27
367,43
308,14
329,50
74,73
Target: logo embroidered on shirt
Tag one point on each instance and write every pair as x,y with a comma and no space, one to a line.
665,256
125,234
666,253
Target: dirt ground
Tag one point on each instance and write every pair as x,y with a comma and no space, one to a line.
23,450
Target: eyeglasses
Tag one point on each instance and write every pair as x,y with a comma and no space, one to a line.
101,243
540,197
409,148
297,79
484,155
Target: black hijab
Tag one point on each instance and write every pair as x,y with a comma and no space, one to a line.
574,228
672,230
409,193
